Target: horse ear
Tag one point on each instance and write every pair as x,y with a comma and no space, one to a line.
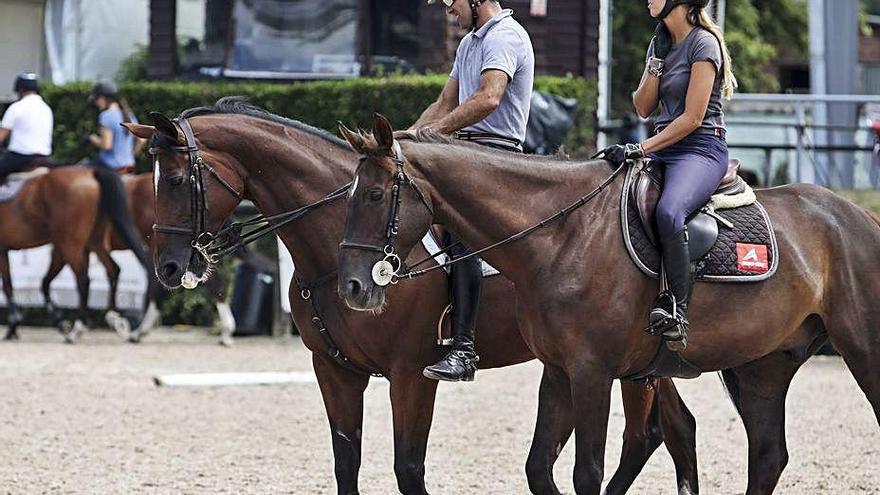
139,130
166,127
355,140
382,132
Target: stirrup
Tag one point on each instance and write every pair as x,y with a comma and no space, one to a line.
664,315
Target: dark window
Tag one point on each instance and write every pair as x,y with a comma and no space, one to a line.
395,34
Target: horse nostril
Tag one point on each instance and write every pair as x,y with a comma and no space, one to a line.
169,269
354,287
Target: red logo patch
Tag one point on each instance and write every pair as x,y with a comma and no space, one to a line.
752,257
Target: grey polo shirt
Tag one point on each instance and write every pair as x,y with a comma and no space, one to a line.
500,44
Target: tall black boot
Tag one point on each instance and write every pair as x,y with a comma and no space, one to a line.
461,362
669,316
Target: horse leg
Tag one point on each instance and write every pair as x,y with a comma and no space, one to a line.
116,321
860,350
80,267
14,313
591,398
655,414
55,267
343,395
758,391
412,405
552,430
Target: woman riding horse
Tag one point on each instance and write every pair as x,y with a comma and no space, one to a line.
28,125
688,71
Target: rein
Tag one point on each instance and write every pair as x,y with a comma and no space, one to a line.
388,270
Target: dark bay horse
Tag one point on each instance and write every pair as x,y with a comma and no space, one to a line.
281,165
62,207
582,304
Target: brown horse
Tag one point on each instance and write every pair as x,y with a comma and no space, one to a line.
142,209
582,304
281,164
62,207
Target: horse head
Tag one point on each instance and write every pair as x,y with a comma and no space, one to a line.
187,179
386,216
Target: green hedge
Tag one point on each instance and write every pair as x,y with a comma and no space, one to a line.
321,104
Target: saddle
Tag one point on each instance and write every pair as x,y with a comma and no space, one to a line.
16,181
730,238
702,229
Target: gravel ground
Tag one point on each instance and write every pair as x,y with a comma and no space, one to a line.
88,419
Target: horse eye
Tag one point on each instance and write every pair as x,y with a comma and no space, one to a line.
376,194
175,180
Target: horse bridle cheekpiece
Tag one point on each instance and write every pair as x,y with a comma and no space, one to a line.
387,270
202,240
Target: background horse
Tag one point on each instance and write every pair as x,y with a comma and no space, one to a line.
62,207
582,304
142,209
280,165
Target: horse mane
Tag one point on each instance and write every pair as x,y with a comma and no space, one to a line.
238,105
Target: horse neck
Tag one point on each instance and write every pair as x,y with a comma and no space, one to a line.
486,196
294,168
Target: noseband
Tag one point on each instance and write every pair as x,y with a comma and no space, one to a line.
386,271
198,197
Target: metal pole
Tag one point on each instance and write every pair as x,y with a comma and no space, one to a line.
818,73
603,108
720,13
801,129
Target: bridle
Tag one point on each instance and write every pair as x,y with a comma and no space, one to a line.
228,239
198,197
390,269
386,270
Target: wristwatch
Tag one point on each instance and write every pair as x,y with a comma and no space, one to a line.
655,66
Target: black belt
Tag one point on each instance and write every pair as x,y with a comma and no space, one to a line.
477,136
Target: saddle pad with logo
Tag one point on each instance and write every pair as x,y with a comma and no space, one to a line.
433,247
745,253
14,182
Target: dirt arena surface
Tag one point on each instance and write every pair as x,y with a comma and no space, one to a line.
87,419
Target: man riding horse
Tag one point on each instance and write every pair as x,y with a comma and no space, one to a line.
485,100
28,125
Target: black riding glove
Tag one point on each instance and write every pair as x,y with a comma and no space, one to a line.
618,153
662,41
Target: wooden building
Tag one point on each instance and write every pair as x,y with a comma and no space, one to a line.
412,35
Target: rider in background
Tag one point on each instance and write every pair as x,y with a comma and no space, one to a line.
118,146
117,151
485,100
28,125
688,71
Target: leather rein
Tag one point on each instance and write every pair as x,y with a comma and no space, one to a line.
390,269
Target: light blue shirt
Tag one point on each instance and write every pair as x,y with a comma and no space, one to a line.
504,45
122,152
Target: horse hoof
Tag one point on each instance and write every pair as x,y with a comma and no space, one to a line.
11,334
226,341
119,323
72,335
135,337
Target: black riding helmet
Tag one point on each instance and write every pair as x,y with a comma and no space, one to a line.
106,89
671,4
25,82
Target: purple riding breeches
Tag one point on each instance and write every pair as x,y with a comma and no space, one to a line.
694,168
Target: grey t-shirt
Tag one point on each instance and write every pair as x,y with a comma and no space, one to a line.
699,45
500,44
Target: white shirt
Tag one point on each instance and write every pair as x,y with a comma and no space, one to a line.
30,121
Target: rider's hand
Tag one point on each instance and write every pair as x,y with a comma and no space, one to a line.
662,41
86,139
618,153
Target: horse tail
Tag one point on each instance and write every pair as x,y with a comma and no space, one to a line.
114,204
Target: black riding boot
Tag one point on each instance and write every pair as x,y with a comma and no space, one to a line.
680,282
461,362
